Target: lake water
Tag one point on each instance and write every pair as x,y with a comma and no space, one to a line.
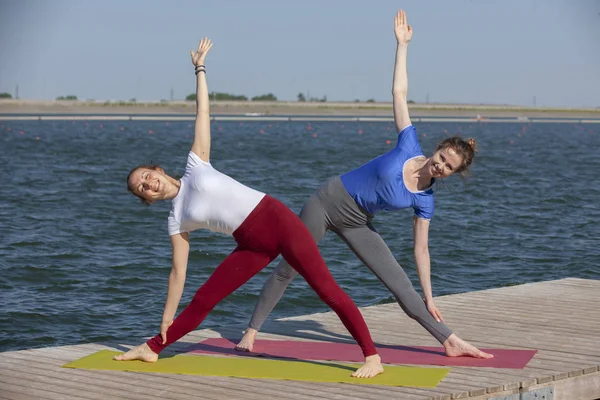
81,260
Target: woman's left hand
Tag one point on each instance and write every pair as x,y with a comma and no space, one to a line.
200,55
434,311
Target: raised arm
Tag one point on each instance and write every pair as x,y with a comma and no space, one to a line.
201,145
403,33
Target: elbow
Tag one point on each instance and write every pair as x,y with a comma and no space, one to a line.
421,251
399,93
177,272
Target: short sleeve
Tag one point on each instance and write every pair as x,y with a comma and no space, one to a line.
424,209
173,225
407,138
194,161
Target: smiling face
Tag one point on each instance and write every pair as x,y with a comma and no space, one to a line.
149,184
445,162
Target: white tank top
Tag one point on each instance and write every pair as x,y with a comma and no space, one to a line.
208,199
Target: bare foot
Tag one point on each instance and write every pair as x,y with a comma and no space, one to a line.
456,347
247,342
370,368
142,352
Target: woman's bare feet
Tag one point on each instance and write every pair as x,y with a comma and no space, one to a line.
456,347
370,368
247,342
142,352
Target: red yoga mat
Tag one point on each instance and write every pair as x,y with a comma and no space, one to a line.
328,351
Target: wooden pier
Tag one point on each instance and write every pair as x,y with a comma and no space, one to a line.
559,318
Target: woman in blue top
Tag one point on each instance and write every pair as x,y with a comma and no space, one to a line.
400,178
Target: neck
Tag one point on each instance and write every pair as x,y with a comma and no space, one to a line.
422,170
174,189
422,174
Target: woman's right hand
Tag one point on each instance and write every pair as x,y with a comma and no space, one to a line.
203,48
402,29
164,327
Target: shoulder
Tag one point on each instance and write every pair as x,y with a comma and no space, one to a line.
407,138
194,161
409,131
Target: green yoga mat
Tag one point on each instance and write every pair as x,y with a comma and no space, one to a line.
248,367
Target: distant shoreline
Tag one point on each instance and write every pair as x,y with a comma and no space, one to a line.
257,108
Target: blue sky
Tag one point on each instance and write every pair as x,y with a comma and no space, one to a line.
470,51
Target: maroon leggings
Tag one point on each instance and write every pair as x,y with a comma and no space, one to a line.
270,229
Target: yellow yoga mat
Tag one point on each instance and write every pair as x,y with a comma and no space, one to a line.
248,367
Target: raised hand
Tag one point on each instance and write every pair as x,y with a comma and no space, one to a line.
203,48
402,29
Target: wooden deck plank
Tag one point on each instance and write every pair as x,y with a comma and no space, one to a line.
548,315
6,394
64,388
30,392
466,310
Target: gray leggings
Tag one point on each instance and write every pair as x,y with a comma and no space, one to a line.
331,207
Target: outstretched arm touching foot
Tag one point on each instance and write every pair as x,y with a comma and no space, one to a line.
181,248
423,262
454,346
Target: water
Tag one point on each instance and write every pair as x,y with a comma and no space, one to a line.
81,260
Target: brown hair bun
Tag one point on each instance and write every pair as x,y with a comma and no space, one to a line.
472,144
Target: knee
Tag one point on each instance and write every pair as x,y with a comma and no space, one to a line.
333,297
285,274
409,311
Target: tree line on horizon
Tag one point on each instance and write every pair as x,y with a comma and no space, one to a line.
216,96
220,96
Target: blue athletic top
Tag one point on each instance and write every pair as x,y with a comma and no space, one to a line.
379,184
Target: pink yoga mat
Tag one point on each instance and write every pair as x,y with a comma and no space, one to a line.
328,351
